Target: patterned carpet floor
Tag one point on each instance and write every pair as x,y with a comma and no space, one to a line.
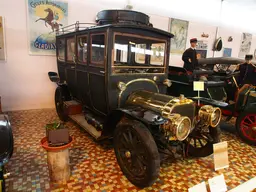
94,166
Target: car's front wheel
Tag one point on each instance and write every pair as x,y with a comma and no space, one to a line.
61,95
200,142
136,153
246,127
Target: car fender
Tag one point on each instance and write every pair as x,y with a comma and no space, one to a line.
147,117
250,108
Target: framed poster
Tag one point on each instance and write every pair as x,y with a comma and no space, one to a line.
201,54
179,28
245,46
45,17
2,40
202,45
156,53
227,52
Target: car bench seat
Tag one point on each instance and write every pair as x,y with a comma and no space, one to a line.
6,139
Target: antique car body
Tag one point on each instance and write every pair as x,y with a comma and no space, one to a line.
112,80
6,147
221,90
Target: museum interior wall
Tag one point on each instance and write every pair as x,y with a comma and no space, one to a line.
24,81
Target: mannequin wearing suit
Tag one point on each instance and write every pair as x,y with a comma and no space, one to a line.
190,57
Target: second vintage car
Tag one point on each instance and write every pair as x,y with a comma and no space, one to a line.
112,80
221,90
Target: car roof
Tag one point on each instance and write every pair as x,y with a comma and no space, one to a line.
63,33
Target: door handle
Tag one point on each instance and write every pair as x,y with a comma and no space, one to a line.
74,59
72,67
103,72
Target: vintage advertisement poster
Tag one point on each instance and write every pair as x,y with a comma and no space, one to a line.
179,28
45,17
227,52
201,54
245,46
156,53
202,45
2,40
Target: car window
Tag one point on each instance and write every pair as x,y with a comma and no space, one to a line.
61,49
70,49
98,49
138,54
82,49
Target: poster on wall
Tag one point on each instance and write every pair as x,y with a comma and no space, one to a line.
179,28
201,54
227,52
245,46
156,53
45,17
202,45
2,40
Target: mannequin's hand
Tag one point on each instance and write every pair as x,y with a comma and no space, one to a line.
189,60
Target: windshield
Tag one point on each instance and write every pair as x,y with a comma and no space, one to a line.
138,54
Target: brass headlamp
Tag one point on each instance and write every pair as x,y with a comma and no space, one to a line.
177,127
210,115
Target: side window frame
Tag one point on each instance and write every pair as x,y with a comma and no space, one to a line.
98,64
66,48
78,44
58,50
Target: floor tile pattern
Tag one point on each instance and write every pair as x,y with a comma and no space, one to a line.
94,167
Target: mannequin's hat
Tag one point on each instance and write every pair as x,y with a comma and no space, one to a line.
248,57
193,40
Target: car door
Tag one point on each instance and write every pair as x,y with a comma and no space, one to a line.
71,65
96,72
82,70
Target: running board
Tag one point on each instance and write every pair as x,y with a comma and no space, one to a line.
80,120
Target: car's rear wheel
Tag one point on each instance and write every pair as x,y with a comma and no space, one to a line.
246,127
200,142
61,95
2,181
136,153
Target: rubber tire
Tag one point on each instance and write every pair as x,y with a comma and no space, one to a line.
2,179
239,132
208,148
64,93
153,168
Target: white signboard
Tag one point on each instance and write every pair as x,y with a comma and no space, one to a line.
198,85
220,151
218,184
198,188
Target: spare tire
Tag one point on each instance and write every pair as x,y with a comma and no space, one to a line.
122,16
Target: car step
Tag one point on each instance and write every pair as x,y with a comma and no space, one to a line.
80,119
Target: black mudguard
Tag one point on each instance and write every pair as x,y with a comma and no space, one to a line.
251,108
6,139
147,117
214,103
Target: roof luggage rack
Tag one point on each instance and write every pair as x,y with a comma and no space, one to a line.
74,27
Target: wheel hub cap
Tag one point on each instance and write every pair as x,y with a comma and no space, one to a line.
128,154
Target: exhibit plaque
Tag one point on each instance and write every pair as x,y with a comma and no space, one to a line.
220,155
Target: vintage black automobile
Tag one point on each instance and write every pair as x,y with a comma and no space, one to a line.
221,90
6,147
112,80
